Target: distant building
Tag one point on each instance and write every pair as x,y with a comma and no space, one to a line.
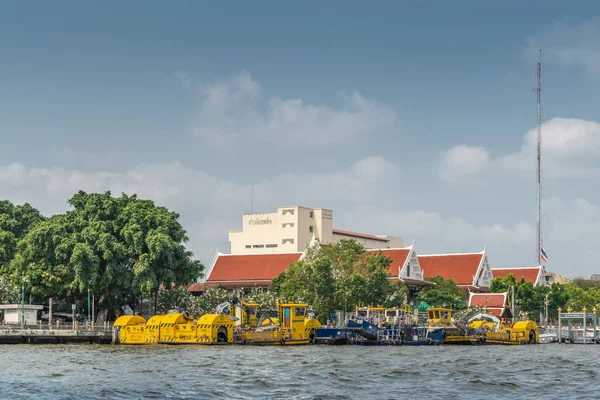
471,271
534,275
553,277
595,277
291,229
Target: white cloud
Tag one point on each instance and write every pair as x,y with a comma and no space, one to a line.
570,147
362,197
463,162
570,45
236,110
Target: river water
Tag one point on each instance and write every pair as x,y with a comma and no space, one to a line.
303,372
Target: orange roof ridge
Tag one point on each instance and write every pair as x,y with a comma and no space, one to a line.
451,254
260,254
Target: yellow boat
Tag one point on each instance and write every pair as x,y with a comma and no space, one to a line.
497,332
482,328
441,317
291,327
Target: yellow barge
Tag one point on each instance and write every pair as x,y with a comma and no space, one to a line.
291,327
483,329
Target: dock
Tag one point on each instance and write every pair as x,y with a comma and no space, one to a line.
66,333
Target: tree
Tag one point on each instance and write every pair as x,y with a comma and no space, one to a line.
118,247
212,297
15,222
444,293
503,284
337,277
175,298
9,293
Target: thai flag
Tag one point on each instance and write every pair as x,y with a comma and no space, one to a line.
543,253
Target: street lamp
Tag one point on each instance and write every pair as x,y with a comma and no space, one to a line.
89,303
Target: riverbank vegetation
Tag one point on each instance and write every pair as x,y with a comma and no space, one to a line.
340,276
118,248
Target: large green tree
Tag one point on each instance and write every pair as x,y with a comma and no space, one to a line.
15,222
339,276
116,246
445,292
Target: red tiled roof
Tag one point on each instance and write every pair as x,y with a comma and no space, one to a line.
250,267
398,257
496,312
461,268
490,300
196,287
530,274
358,235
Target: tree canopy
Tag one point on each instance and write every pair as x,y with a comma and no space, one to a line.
15,222
530,300
340,276
116,246
444,293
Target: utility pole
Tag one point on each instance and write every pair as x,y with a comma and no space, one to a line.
23,301
546,304
512,302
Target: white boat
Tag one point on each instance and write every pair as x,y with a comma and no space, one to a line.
548,337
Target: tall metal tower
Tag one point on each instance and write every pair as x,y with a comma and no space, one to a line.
539,161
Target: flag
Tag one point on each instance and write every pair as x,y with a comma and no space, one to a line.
543,253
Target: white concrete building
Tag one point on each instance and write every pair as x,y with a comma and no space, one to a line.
291,229
13,313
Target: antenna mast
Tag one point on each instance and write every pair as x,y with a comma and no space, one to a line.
539,161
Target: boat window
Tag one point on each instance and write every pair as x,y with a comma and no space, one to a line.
300,311
444,314
252,310
437,314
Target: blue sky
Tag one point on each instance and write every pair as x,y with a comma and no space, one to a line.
413,110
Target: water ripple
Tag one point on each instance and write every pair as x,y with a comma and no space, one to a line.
308,372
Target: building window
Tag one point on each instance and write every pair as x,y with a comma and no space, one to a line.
271,245
408,270
312,214
283,212
310,229
284,241
258,246
248,246
291,224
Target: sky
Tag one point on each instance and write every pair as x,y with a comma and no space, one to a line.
414,119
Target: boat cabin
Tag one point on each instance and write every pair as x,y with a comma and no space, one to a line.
439,315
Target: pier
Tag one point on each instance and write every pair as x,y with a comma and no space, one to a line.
65,333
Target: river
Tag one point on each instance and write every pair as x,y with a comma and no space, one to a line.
304,372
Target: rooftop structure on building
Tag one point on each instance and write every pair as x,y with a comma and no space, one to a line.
534,275
470,271
595,277
291,228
